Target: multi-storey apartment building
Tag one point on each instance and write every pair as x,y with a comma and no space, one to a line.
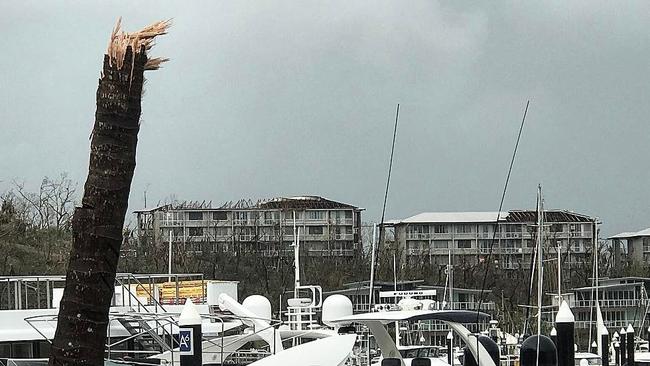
622,301
469,236
324,227
635,246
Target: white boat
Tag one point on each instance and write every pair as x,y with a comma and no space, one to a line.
377,323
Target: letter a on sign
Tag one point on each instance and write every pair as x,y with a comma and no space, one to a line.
186,339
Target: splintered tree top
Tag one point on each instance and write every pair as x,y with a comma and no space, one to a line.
140,41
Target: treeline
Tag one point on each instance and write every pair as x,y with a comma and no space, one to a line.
35,238
35,228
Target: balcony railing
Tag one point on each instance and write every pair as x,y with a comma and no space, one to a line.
330,252
343,236
585,324
608,303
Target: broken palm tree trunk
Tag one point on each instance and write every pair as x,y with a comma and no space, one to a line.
97,225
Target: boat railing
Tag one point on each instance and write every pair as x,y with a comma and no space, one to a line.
165,324
131,295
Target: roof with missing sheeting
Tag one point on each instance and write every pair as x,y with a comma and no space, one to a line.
491,217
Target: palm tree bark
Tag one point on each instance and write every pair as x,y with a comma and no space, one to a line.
97,225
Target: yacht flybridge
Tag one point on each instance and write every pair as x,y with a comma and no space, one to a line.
377,323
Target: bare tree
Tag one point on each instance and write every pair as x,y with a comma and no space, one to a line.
52,205
97,225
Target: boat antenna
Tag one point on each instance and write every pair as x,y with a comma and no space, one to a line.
498,218
383,212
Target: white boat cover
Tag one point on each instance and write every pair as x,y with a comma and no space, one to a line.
330,351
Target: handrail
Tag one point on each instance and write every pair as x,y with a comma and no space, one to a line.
155,302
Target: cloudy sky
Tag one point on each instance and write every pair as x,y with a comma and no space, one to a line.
273,98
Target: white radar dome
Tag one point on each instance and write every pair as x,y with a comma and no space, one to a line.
335,307
258,305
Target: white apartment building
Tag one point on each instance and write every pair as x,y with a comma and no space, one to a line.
468,236
325,227
636,246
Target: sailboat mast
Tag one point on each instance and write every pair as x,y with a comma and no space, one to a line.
372,266
540,272
296,256
559,273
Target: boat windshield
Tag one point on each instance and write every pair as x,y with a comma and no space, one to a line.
425,352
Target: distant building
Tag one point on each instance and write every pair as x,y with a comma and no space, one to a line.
622,301
433,332
635,246
470,235
326,228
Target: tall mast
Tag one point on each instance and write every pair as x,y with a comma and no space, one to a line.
372,266
296,256
540,272
559,273
450,267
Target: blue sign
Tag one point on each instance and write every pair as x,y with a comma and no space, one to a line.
185,340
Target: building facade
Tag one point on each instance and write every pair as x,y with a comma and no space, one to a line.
631,247
324,227
470,236
622,301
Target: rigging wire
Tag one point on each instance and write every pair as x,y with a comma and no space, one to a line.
496,224
383,210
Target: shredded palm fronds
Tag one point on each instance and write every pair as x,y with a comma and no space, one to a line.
120,40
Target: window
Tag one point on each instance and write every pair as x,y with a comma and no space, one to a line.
343,230
193,215
464,244
288,215
196,231
316,215
221,232
441,244
241,215
513,228
556,228
21,350
646,245
440,229
485,245
270,216
348,214
5,350
315,230
220,216
464,229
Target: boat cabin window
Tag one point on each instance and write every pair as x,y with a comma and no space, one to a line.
5,350
16,350
419,352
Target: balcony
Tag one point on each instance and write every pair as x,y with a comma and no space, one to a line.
330,252
586,324
417,251
343,236
608,303
341,221
417,236
172,223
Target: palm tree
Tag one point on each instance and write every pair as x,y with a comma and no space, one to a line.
97,224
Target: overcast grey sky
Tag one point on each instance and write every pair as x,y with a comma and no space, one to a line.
272,98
